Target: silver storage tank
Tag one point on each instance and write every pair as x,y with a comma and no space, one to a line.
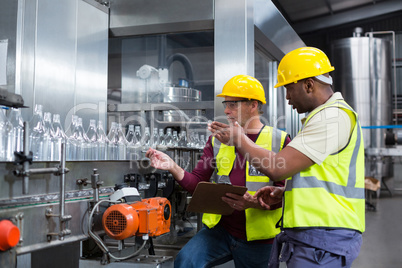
363,75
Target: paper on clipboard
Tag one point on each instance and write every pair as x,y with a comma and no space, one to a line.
207,198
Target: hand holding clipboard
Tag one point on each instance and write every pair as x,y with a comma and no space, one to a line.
207,198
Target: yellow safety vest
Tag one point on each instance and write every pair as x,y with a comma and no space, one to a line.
260,224
330,195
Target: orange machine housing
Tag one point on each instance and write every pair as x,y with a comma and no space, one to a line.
149,216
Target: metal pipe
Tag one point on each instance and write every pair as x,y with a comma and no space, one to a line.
95,187
62,190
25,165
273,95
188,67
19,218
370,34
61,171
34,171
162,51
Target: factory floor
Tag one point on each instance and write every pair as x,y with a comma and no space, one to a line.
382,240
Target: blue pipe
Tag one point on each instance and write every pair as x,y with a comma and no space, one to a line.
379,127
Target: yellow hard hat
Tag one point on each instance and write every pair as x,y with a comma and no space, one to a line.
302,63
244,86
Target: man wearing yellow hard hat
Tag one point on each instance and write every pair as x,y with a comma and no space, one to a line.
323,201
246,235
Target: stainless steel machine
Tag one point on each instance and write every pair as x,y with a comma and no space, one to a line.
365,73
155,64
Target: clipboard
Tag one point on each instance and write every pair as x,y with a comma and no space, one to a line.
207,198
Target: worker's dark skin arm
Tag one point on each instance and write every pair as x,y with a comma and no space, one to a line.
277,167
269,195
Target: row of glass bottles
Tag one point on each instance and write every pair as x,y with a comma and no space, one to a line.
46,136
160,140
11,132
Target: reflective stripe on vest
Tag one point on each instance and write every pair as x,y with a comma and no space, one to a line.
260,224
218,177
315,197
348,191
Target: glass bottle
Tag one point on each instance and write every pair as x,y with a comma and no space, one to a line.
57,128
175,139
132,144
102,142
132,151
155,138
81,128
58,138
169,138
37,118
72,143
112,146
196,140
17,123
117,145
92,136
47,119
35,127
138,136
6,137
81,142
202,141
130,136
191,139
146,140
85,142
39,138
161,137
182,139
49,133
122,143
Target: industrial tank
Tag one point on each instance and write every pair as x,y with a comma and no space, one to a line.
363,75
